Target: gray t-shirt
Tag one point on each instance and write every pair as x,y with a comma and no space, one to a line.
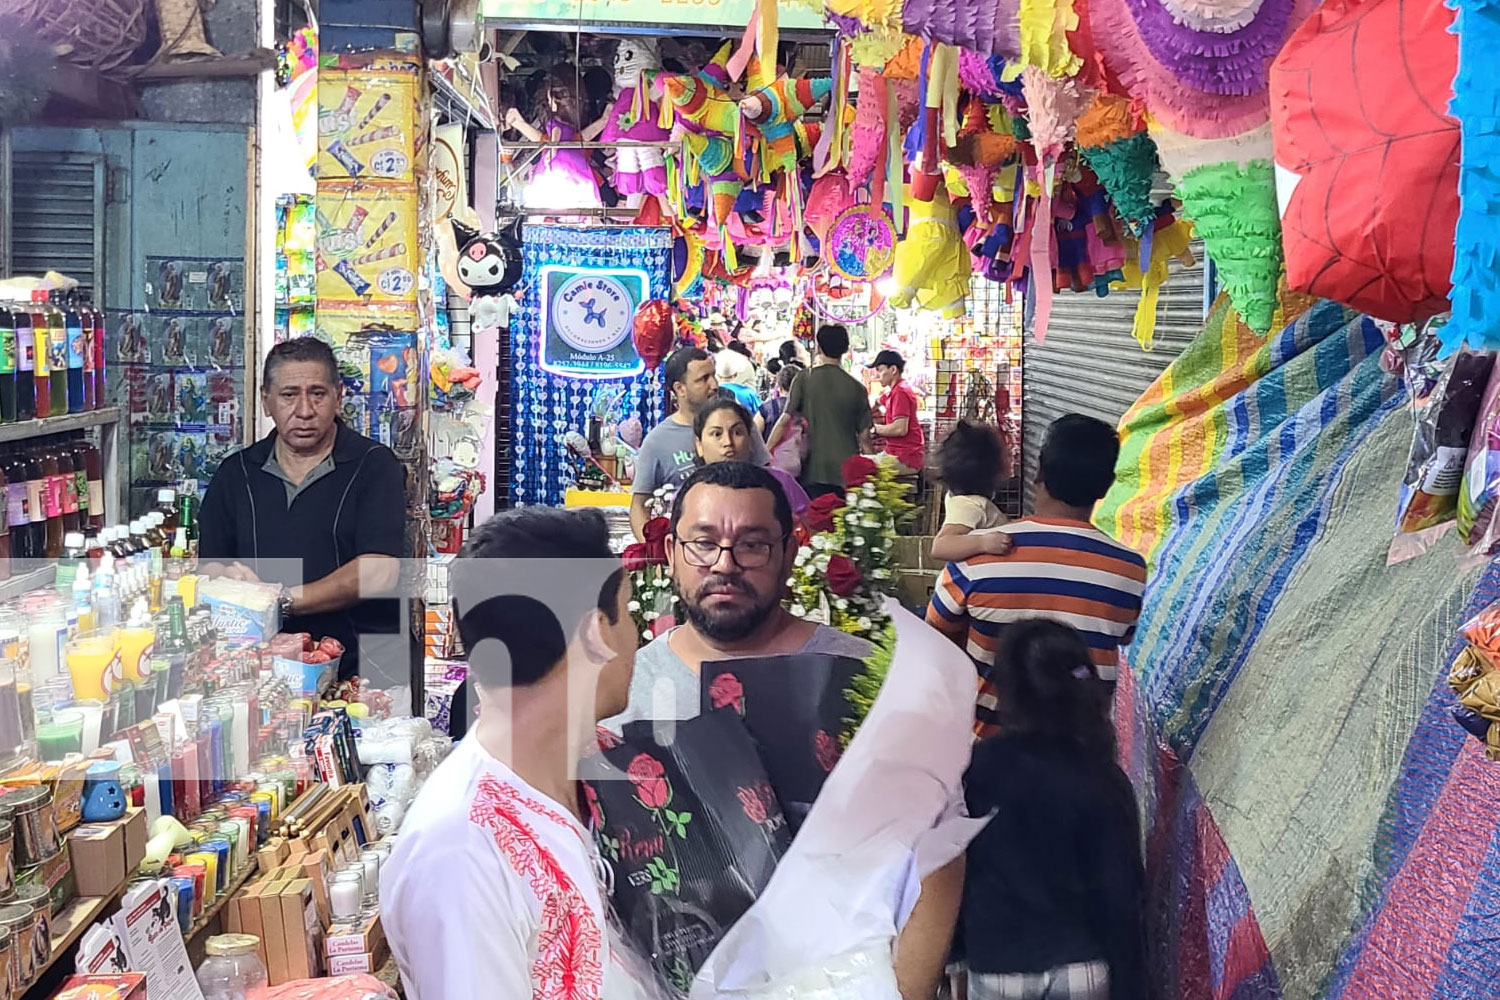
664,687
667,456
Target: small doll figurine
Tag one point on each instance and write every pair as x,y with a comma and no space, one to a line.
563,178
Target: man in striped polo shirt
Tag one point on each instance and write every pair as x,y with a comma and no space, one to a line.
1060,566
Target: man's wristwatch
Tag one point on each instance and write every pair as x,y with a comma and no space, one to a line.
284,604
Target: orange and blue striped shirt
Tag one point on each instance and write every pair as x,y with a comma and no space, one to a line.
1068,571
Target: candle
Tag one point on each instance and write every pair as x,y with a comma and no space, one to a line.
345,894
370,861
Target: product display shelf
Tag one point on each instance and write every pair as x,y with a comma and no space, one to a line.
67,927
21,430
206,918
109,423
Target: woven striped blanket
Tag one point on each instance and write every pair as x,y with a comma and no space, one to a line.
1316,825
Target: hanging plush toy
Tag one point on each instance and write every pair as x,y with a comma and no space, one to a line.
490,265
639,170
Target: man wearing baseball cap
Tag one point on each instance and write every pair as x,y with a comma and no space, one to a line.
896,423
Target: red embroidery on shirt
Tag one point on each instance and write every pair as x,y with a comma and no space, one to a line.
567,965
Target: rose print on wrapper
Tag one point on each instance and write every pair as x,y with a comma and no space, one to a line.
826,749
726,691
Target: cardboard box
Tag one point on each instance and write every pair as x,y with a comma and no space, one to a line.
272,934
136,834
355,938
302,930
98,851
119,986
345,965
270,857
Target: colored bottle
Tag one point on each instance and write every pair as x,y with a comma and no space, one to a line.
86,323
177,645
36,487
15,504
40,336
78,450
25,364
83,603
7,365
101,391
57,354
52,500
75,348
187,519
93,477
4,530
95,548
72,521
105,600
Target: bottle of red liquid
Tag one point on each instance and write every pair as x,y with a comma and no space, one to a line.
4,529
90,474
101,393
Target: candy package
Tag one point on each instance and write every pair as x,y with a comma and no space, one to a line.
1480,487
1446,406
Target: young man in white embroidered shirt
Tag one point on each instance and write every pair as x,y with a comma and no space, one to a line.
494,888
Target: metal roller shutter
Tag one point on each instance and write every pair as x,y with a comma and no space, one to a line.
1089,362
57,216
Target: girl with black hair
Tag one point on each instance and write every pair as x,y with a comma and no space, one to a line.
1052,905
970,461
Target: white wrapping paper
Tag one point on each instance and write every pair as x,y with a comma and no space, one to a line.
890,813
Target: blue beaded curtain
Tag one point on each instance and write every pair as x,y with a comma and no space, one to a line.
544,406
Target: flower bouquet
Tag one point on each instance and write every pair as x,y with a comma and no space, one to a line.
653,602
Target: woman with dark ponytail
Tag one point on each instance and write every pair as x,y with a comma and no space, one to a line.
1053,893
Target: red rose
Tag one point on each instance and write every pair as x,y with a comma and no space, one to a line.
726,690
857,469
843,575
635,557
650,780
826,750
656,531
751,803
803,536
819,516
606,738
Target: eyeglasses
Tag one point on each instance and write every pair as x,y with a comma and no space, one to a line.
704,554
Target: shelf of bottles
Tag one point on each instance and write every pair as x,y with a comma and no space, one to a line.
58,439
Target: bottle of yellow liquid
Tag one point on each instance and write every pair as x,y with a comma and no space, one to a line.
82,601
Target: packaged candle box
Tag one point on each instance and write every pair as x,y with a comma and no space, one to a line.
98,851
119,986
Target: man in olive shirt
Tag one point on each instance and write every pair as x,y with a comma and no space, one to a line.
837,410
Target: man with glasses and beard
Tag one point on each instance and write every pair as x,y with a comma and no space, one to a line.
730,554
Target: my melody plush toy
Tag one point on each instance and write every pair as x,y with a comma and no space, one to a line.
490,265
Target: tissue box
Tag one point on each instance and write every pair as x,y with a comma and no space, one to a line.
243,613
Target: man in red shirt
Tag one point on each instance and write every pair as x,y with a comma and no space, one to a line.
896,422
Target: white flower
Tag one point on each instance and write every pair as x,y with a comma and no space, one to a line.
868,489
651,616
858,540
798,611
634,606
646,633
864,623
841,604
880,574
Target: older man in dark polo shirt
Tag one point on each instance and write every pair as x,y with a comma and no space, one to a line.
315,507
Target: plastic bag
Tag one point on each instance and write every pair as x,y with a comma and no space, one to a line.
1480,488
1446,407
692,835
795,707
